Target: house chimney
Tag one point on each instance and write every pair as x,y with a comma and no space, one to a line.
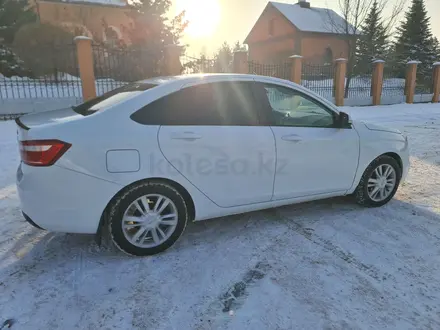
304,4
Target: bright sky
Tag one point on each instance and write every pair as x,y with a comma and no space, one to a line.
215,21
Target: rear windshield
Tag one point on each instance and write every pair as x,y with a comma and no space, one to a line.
110,98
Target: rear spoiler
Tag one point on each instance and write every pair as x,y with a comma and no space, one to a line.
20,124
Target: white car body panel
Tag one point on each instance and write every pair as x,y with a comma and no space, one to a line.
63,200
71,195
314,161
379,142
220,160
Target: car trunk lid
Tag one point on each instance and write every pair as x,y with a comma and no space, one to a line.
27,123
44,118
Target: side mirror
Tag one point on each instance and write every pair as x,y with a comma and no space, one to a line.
344,120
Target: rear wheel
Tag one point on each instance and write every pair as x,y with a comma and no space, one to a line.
148,218
379,182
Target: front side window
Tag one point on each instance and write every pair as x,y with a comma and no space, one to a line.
219,104
291,108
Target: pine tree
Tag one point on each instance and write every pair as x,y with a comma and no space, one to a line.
223,58
415,42
238,47
374,41
436,48
13,15
152,26
151,32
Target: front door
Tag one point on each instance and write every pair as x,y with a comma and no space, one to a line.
215,141
313,155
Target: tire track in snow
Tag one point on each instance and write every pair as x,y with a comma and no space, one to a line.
233,298
220,311
309,234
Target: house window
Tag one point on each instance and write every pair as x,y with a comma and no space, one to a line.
111,36
272,27
328,56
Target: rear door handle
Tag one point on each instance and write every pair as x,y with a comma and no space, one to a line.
291,138
188,136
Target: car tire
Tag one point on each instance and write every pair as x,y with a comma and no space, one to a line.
365,194
132,205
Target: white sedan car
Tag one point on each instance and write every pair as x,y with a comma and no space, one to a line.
148,157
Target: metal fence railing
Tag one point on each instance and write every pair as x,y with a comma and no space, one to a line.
359,85
424,85
51,72
282,71
392,84
318,78
115,67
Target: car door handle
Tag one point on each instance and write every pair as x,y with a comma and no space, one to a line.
188,136
291,138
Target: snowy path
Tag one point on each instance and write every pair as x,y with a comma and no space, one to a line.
322,265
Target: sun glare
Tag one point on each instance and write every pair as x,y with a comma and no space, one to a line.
203,16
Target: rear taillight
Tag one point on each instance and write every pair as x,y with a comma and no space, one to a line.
42,152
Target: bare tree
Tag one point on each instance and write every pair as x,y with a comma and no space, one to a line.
354,13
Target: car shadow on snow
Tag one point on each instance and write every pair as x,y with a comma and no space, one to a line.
47,249
70,261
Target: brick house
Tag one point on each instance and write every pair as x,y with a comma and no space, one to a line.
284,30
103,20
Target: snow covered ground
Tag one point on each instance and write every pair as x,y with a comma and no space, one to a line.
322,265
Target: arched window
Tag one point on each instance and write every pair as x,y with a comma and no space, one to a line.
112,36
328,56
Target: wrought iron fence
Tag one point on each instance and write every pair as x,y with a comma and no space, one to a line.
51,72
424,84
115,67
360,85
282,71
319,78
393,85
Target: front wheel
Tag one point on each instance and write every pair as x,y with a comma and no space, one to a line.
148,218
379,182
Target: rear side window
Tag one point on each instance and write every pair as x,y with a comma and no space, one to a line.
225,103
110,98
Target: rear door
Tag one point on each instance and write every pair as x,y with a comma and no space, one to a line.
210,133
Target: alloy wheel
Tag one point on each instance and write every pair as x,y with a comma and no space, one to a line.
382,182
149,221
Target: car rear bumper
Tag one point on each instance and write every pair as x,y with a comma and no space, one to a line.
63,200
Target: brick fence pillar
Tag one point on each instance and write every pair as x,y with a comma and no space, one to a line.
339,81
240,63
173,66
85,63
410,83
295,74
377,81
436,82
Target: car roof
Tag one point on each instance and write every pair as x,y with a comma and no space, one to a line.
177,82
207,77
